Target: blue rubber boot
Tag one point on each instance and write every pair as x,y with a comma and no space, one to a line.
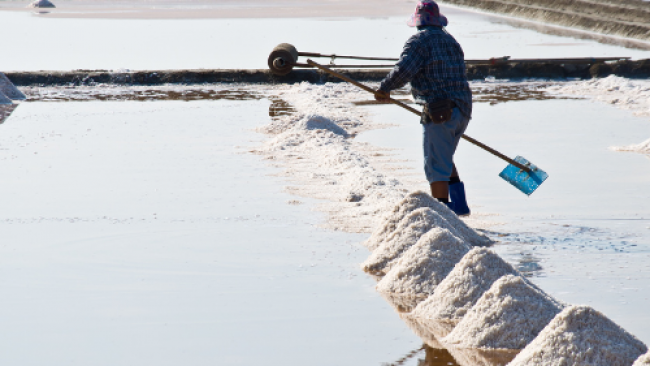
458,200
450,205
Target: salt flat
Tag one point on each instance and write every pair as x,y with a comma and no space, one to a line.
145,233
148,232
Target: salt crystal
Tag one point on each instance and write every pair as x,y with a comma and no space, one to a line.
424,265
643,148
580,335
465,284
508,316
644,360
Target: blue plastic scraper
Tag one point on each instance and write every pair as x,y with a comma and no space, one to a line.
525,180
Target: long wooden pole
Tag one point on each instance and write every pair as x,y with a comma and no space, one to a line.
415,111
491,61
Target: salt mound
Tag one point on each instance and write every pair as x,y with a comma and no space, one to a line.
508,316
41,4
9,89
580,335
4,99
408,232
316,122
643,360
643,148
465,284
390,220
412,201
424,265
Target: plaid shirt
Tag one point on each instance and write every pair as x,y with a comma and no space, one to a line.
434,63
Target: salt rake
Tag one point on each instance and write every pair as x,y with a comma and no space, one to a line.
521,173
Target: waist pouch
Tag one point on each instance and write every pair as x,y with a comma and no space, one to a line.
440,111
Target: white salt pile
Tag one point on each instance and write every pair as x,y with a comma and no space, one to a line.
41,4
418,199
465,284
4,99
580,335
643,148
9,89
391,219
644,360
508,316
425,264
408,232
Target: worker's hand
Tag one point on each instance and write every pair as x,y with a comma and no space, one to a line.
382,96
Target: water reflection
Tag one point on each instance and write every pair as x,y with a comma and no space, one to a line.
494,93
437,357
279,107
402,304
478,357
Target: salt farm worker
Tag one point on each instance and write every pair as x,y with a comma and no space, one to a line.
434,63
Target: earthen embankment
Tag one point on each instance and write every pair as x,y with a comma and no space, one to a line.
624,68
625,18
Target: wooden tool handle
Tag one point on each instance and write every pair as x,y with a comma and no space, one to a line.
411,109
314,54
364,87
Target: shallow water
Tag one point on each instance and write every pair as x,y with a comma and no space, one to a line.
44,43
144,233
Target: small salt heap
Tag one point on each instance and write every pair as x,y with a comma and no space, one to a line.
643,148
644,360
425,264
41,4
465,284
9,89
412,201
580,335
408,232
508,316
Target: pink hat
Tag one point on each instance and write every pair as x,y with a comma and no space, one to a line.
427,13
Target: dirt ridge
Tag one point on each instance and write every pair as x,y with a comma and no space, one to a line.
627,18
625,68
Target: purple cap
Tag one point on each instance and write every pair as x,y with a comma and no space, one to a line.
427,13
